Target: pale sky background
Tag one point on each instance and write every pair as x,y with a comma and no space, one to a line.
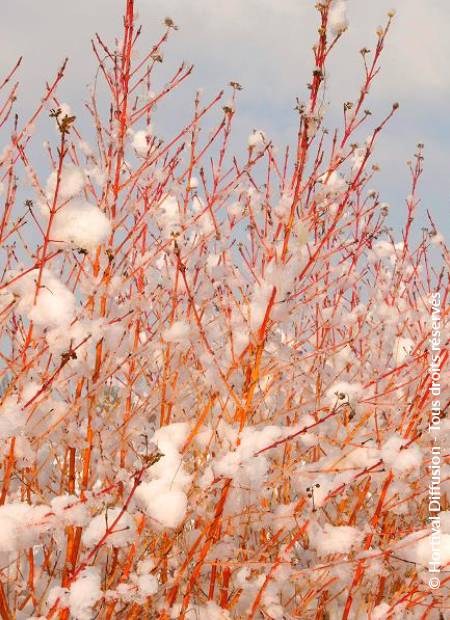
266,46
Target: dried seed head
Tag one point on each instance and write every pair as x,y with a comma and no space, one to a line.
170,23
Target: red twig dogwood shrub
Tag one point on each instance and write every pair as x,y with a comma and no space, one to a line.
216,390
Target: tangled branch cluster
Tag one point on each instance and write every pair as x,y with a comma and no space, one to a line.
215,389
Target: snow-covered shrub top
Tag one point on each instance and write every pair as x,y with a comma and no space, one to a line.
215,397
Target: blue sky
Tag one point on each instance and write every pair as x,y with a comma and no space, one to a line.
266,46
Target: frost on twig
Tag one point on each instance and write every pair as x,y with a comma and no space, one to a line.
214,391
